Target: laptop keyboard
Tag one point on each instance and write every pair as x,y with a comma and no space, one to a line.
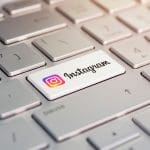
75,75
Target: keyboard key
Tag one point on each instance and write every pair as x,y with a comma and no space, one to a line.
15,98
18,59
78,12
113,135
134,51
75,118
20,135
53,1
71,76
23,7
112,7
139,144
29,25
146,74
63,44
138,19
106,30
143,120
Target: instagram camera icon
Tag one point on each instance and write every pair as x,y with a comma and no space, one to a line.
53,81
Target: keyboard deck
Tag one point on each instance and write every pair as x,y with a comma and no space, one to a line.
75,75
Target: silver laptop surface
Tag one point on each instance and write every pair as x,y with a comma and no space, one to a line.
74,74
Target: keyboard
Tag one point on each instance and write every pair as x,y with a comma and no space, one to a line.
75,75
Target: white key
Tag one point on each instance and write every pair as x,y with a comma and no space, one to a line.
111,6
113,135
137,18
106,30
23,7
79,11
53,1
134,51
62,44
76,74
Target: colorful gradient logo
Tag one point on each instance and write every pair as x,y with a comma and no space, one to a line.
53,81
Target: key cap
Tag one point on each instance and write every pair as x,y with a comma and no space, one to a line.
111,6
137,18
20,135
143,121
23,7
75,118
53,1
15,98
63,44
106,30
29,25
146,73
71,76
134,51
139,144
78,12
112,135
18,59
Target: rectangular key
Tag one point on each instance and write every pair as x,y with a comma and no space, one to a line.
143,121
29,25
113,135
15,98
111,6
20,135
53,1
93,106
106,30
62,44
134,51
137,18
79,11
73,75
23,7
18,59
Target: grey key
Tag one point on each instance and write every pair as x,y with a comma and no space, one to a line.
143,121
139,144
106,30
134,51
113,135
18,59
53,1
146,73
111,6
76,118
20,135
78,12
137,18
23,7
15,98
29,25
63,44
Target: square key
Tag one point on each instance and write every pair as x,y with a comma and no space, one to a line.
106,30
137,18
111,6
18,134
134,51
15,98
63,44
78,11
18,59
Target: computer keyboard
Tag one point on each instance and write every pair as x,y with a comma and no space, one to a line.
75,75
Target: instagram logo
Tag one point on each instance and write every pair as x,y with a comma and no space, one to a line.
53,81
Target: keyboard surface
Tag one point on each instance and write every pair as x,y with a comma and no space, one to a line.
75,75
